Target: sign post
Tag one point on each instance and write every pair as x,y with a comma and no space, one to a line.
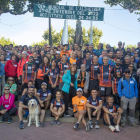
69,12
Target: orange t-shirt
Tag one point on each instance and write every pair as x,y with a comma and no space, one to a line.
67,53
72,60
80,102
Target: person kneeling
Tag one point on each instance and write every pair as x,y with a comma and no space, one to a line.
57,108
112,114
79,109
23,110
7,106
44,97
94,105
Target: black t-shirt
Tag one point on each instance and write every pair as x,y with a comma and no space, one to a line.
37,62
72,78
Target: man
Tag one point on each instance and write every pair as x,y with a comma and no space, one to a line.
23,110
128,92
73,58
63,67
120,46
44,97
91,50
138,48
65,51
99,50
86,50
112,114
94,105
105,74
118,55
108,47
126,62
29,72
94,82
23,61
76,47
100,61
79,109
79,60
117,66
87,61
111,57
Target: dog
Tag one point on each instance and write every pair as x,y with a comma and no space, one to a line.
33,112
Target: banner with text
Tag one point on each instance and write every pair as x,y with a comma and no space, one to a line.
69,12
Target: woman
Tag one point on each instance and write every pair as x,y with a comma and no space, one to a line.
11,68
132,60
2,59
57,108
70,85
53,78
42,74
37,60
115,81
7,106
132,72
12,85
83,80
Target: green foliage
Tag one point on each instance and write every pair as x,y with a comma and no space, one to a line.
18,7
4,41
131,5
40,43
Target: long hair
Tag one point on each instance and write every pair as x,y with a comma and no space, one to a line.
43,64
8,80
116,74
73,65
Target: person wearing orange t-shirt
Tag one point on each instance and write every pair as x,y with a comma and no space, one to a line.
83,80
64,51
73,58
79,109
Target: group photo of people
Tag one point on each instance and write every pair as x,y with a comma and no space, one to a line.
96,84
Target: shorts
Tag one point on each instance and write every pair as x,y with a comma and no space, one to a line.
111,121
61,85
94,84
26,114
43,108
105,91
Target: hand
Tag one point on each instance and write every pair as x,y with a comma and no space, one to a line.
94,113
22,82
114,115
56,113
33,82
41,102
85,90
72,84
113,93
18,78
54,85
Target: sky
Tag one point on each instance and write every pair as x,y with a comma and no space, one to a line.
118,25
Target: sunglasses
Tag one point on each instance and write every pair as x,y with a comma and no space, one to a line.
48,47
119,44
11,80
118,71
107,47
6,89
127,72
135,53
131,66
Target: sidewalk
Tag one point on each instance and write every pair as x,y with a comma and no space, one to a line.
65,131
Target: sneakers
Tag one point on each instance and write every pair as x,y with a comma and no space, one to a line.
41,124
9,120
97,125
111,128
21,126
53,122
58,122
70,108
66,114
91,124
122,124
117,128
87,126
2,120
76,126
133,125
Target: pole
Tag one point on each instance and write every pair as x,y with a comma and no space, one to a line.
50,36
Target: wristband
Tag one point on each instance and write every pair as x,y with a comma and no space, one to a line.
96,110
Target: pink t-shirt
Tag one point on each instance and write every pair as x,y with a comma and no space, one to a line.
8,103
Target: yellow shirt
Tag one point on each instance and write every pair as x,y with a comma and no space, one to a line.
80,102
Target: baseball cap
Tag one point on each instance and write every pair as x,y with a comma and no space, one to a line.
44,83
58,52
24,52
86,44
79,89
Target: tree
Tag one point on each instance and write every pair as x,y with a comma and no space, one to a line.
4,41
18,7
131,5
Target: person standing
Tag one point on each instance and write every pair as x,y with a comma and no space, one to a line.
128,92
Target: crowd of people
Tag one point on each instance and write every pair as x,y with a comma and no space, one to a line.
91,82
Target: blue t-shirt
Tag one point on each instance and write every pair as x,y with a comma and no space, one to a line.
43,95
111,108
57,104
94,102
25,99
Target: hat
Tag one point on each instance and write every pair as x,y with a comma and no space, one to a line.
58,52
79,89
24,52
31,57
126,70
58,46
86,44
44,83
